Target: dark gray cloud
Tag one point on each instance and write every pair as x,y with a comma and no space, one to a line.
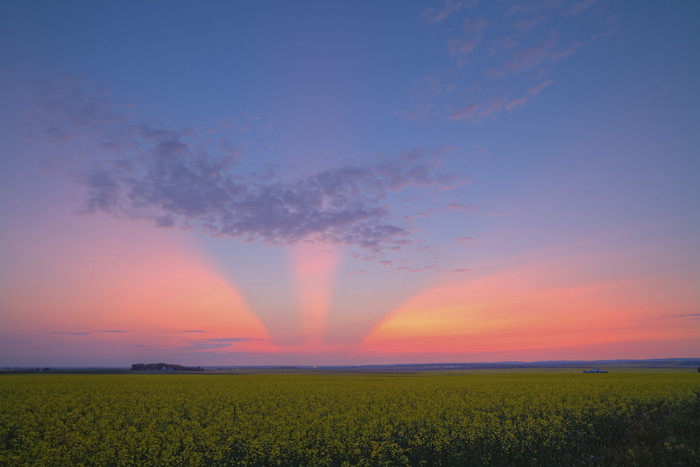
130,167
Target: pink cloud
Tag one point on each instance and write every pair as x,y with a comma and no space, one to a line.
476,112
493,107
435,15
462,207
462,45
523,60
561,54
516,103
532,92
469,111
474,25
579,7
524,25
499,45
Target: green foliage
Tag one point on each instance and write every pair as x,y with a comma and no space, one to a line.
428,419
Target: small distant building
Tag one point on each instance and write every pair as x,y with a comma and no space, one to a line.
596,370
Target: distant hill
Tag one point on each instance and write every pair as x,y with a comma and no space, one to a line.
163,367
677,363
657,363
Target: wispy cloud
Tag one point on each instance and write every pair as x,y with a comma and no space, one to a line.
532,57
426,268
476,112
564,53
72,333
524,25
680,316
230,339
462,207
470,111
13,341
495,47
86,333
216,343
462,45
474,25
532,92
441,13
523,59
580,7
140,170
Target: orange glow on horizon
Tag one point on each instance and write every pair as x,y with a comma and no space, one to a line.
523,312
153,295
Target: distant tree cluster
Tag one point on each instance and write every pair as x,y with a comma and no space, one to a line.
163,367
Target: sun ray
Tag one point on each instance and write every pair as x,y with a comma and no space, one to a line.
314,267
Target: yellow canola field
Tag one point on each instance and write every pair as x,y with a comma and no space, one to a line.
351,419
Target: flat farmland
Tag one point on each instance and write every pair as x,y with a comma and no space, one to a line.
461,418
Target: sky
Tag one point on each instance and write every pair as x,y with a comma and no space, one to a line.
342,183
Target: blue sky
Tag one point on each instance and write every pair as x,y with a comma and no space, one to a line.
334,164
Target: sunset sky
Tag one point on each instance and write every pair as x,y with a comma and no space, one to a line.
327,182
